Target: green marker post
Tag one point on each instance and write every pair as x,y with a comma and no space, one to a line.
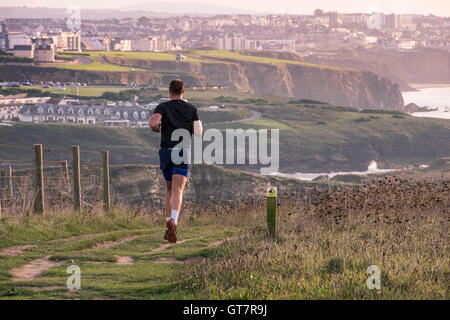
272,211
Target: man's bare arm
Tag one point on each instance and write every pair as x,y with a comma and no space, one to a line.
198,128
155,122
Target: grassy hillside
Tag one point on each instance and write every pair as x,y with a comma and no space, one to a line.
98,61
323,249
313,137
237,56
316,137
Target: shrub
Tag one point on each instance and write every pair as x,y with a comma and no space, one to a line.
362,119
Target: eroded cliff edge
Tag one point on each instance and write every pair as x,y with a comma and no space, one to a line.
337,86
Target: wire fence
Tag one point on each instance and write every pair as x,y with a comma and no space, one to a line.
22,190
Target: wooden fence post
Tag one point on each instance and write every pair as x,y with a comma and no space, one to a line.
106,194
38,179
9,182
272,211
76,178
65,171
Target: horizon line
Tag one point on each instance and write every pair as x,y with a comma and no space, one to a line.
244,11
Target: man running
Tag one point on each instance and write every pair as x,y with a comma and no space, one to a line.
168,117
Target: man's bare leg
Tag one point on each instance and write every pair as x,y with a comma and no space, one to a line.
167,199
178,183
167,205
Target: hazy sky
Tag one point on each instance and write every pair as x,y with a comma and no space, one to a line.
438,7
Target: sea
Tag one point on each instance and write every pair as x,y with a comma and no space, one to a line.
372,169
438,97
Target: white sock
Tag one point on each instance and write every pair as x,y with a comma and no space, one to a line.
168,218
175,214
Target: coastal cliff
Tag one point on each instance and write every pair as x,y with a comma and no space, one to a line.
406,67
347,87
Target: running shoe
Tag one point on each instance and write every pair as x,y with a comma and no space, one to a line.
171,231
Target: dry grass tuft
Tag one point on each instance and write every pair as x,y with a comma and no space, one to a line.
327,241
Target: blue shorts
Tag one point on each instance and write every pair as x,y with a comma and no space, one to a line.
167,166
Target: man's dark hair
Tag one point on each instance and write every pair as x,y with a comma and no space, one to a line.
176,86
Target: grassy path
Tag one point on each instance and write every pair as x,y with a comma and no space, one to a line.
123,264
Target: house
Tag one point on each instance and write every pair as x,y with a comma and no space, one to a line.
150,106
24,51
45,50
85,114
180,57
406,44
9,112
70,41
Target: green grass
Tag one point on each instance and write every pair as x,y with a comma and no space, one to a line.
205,56
322,250
313,136
82,91
98,63
156,56
231,55
101,276
269,124
96,66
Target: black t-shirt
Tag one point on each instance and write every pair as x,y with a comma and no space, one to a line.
176,114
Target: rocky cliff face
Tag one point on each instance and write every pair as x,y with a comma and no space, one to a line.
360,89
415,66
359,64
418,66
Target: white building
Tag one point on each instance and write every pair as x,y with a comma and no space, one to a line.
85,114
231,42
23,101
407,44
236,41
9,112
406,22
123,45
160,44
45,50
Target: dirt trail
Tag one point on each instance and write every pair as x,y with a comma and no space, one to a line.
210,244
112,243
167,245
219,242
124,260
89,235
173,260
14,251
34,269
